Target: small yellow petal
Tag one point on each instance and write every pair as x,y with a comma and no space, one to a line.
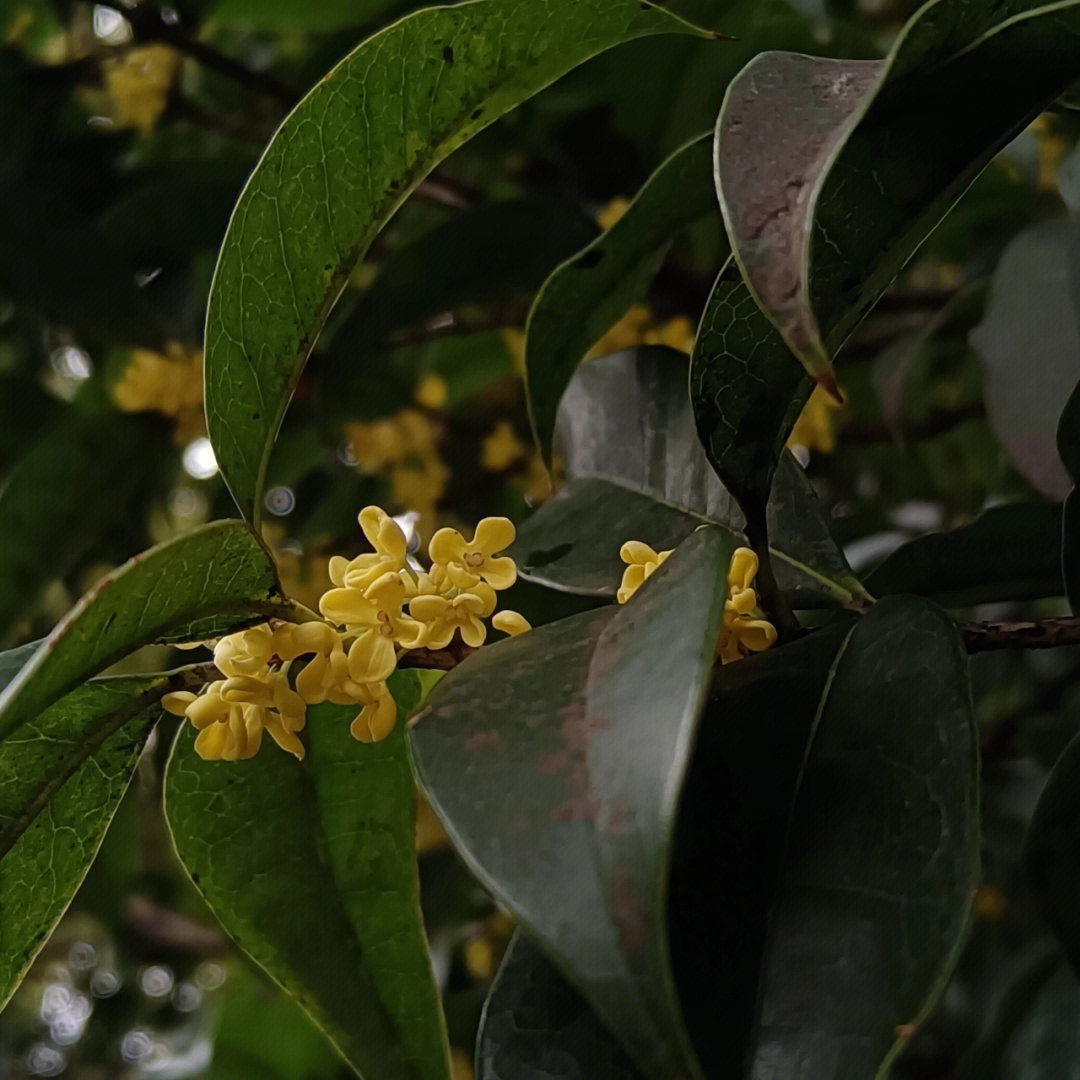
511,623
493,534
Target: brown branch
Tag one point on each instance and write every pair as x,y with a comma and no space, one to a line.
437,659
1024,634
772,599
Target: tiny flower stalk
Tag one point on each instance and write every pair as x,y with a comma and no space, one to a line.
378,610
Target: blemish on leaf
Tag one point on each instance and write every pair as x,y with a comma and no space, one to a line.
484,740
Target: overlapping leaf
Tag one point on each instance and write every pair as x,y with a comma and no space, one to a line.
555,761
1008,553
341,164
217,570
62,774
882,855
636,471
311,868
536,1026
588,293
875,153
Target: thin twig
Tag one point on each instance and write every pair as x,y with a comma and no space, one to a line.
1024,634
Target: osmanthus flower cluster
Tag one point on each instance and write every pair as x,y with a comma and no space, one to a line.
170,383
380,607
746,630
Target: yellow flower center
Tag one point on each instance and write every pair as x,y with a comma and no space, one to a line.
386,628
474,558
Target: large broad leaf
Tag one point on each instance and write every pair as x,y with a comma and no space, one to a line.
882,855
62,775
590,292
536,1026
85,475
636,471
875,153
1008,553
342,163
555,761
1052,851
219,569
311,869
1029,376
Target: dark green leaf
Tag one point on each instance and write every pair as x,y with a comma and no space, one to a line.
62,775
536,1026
1052,851
882,856
746,388
83,476
590,292
637,472
1070,548
1028,377
1008,553
219,568
575,738
342,163
734,816
875,154
311,869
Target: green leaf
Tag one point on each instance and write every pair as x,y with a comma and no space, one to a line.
85,475
746,388
867,171
214,570
261,1035
62,774
1009,552
875,152
882,856
591,291
343,162
636,471
1052,851
311,869
1068,443
536,1026
575,738
1028,377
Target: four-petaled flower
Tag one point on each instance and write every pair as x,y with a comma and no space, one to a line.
442,616
466,561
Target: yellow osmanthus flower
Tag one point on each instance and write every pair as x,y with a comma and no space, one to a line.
745,627
170,383
431,391
139,84
677,333
466,561
612,212
232,714
641,560
816,427
347,658
443,617
501,448
374,616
